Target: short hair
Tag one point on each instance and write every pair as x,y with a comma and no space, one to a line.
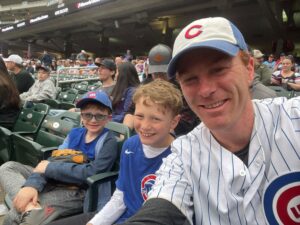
162,93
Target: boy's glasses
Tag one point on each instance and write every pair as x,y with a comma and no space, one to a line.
98,117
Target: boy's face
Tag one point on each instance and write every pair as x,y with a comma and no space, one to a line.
153,124
91,124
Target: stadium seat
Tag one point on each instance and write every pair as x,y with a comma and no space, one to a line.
52,133
28,123
65,100
5,145
82,87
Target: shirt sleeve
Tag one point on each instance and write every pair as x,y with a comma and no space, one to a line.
157,212
172,183
111,211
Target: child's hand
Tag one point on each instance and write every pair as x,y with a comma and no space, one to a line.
89,224
41,167
25,196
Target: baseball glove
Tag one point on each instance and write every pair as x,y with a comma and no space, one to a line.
68,155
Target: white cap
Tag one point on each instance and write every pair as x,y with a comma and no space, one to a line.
214,32
14,58
257,54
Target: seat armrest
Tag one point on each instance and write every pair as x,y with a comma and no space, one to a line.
93,182
46,152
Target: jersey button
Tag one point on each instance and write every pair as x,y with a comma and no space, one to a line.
242,173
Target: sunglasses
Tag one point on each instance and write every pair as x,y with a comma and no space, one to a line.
98,117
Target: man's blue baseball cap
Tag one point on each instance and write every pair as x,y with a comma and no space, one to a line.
214,32
96,97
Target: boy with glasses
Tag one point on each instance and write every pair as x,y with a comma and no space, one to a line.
37,194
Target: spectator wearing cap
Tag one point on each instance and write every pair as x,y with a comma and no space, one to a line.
46,59
263,72
42,89
22,78
82,56
270,63
106,71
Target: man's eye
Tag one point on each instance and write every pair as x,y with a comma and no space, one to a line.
189,80
218,70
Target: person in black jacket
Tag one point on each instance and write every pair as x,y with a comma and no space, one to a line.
9,98
22,78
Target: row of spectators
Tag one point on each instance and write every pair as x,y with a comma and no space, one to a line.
282,72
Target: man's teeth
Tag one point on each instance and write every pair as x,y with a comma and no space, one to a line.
214,105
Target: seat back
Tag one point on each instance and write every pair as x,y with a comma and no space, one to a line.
25,151
5,145
122,133
54,129
30,119
82,87
68,96
51,134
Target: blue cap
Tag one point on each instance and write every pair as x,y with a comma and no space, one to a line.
96,97
215,32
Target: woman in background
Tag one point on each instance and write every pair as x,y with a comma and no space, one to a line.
286,77
123,91
9,98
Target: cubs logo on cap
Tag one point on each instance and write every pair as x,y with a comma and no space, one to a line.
96,97
214,32
281,200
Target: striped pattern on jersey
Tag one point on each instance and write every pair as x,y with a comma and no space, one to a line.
203,176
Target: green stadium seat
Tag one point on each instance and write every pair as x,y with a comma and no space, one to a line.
52,133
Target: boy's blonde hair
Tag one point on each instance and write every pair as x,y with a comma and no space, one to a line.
162,93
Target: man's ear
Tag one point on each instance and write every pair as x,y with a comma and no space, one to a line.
250,68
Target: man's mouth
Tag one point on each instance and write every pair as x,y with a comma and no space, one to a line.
214,105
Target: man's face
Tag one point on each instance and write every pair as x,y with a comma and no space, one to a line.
258,61
104,73
10,65
42,75
216,87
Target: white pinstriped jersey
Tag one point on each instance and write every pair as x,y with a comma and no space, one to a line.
203,177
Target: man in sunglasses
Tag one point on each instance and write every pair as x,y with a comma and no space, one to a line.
38,194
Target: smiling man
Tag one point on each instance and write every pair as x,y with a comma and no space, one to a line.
241,165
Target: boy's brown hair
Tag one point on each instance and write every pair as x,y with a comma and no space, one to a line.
162,93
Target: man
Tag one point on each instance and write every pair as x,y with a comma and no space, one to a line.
42,89
242,164
159,57
106,71
21,77
261,69
46,59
